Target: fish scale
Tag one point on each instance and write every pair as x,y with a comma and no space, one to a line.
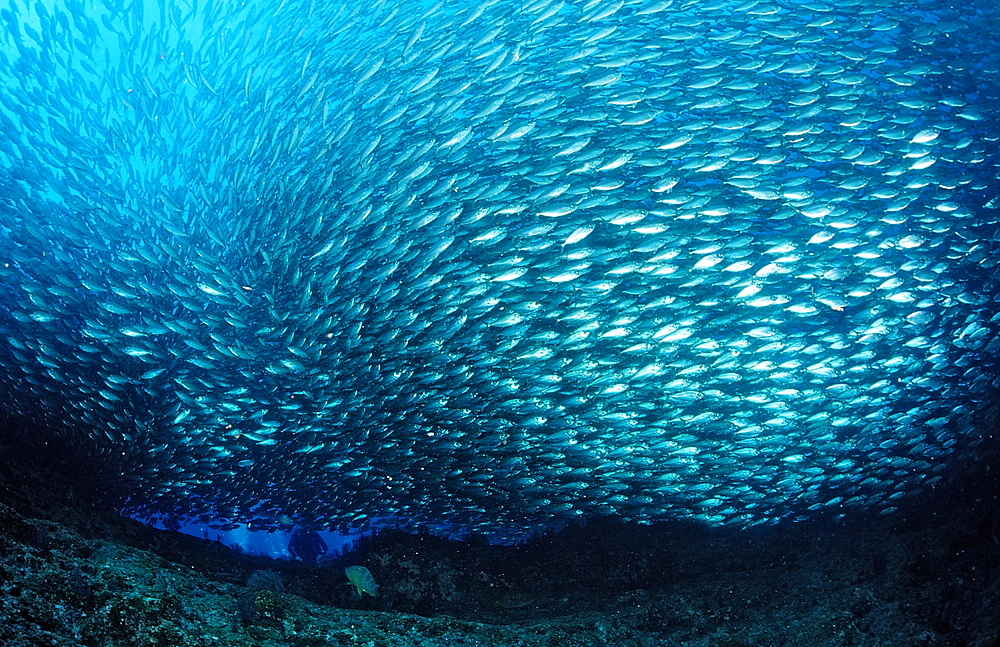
495,266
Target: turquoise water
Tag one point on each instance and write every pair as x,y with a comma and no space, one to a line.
498,266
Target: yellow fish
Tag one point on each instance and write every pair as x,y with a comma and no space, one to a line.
362,578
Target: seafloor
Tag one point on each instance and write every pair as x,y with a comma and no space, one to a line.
72,574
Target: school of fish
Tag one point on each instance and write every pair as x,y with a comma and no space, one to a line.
494,265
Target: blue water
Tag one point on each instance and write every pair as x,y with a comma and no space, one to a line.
307,262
